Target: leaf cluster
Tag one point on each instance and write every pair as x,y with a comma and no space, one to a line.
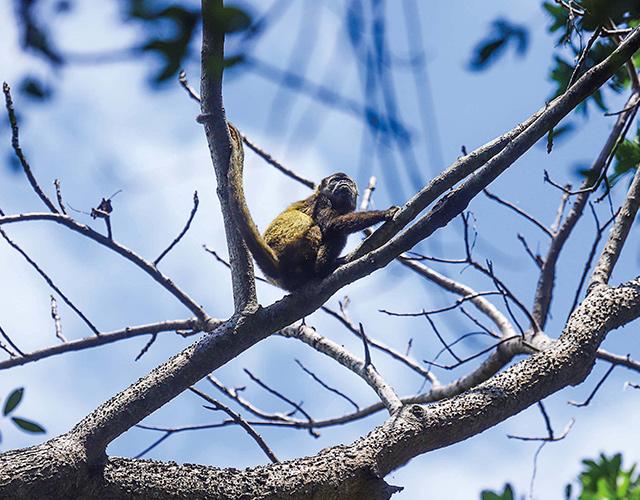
11,403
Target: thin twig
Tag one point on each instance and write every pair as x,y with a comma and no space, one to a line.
616,359
368,192
276,417
325,385
56,183
537,260
49,282
56,320
275,163
365,342
196,202
441,339
519,211
182,78
337,352
240,421
123,251
147,346
583,56
592,253
15,142
11,343
595,389
279,395
564,434
550,434
105,338
395,354
457,303
473,356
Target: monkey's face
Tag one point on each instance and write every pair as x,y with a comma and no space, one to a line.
341,191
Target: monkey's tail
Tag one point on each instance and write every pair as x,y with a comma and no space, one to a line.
262,253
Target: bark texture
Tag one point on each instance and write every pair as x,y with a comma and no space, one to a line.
60,469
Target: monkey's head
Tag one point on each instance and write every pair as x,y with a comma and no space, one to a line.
341,190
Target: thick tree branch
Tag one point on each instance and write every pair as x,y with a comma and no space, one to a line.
618,236
222,149
544,288
356,469
498,156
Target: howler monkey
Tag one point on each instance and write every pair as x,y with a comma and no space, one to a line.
303,242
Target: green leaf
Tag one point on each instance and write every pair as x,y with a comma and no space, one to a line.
503,33
507,494
627,159
233,60
13,401
28,425
234,19
489,495
558,14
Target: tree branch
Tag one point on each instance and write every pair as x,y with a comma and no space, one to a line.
364,370
618,235
223,148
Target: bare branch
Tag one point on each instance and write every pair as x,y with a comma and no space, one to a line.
297,406
395,354
618,235
240,421
56,183
595,389
457,303
537,260
191,92
275,163
368,192
592,253
478,301
366,371
105,338
11,343
583,56
275,417
519,211
196,201
15,142
326,386
50,282
365,342
564,434
147,346
616,359
56,320
544,287
225,149
182,78
123,251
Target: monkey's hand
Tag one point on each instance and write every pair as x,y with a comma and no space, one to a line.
391,212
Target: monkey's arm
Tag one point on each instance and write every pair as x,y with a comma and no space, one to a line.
357,221
264,256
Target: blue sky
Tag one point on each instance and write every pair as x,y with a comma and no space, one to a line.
105,130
